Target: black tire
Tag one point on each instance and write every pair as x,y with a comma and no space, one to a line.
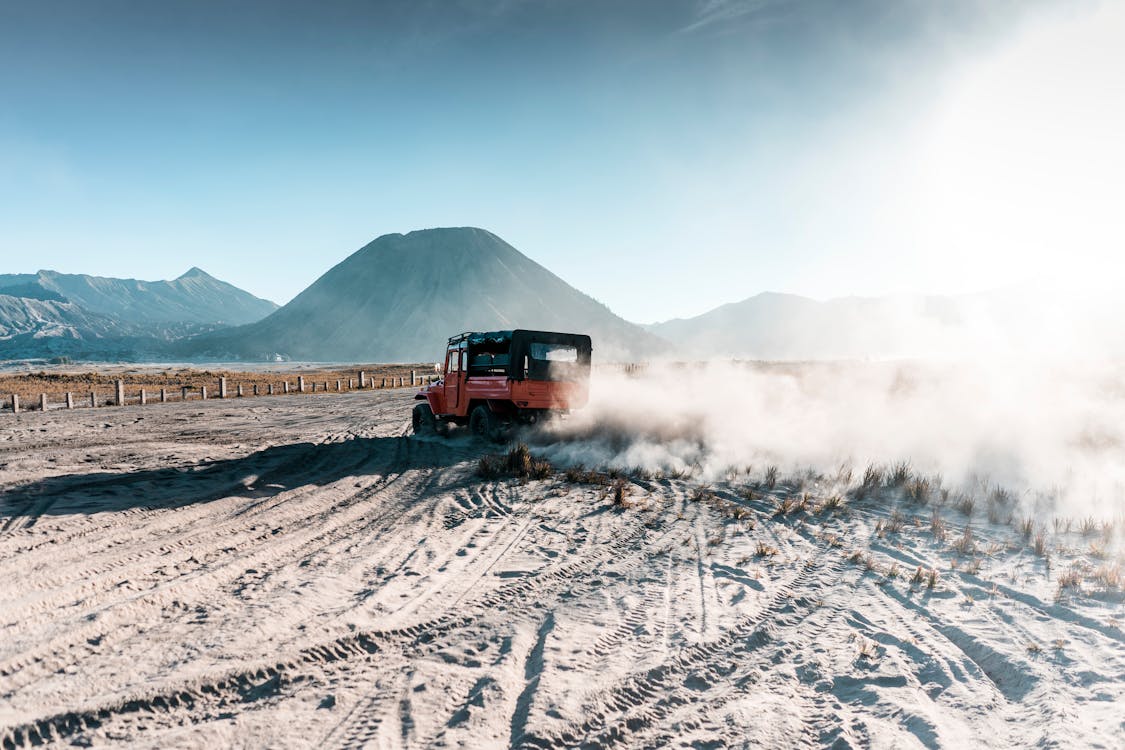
422,419
483,423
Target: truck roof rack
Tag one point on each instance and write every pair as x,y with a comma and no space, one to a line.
460,337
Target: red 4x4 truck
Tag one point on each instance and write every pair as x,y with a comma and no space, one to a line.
493,381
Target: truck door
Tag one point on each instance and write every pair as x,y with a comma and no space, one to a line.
452,379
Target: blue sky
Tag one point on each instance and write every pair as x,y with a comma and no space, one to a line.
664,157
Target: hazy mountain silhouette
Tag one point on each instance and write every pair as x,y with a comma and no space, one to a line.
48,314
194,297
787,326
401,296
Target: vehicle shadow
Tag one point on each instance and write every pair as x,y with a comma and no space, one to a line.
262,474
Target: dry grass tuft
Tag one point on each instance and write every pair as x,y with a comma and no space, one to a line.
966,545
873,476
835,503
937,527
1071,580
489,467
764,550
579,474
900,474
965,504
1109,578
1039,544
619,491
868,649
518,463
771,477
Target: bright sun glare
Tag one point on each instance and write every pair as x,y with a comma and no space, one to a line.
1020,173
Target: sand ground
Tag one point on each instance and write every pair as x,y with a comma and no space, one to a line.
299,572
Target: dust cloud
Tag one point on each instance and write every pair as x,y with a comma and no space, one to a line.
1052,432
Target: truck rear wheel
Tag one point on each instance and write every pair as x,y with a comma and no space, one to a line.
483,423
422,419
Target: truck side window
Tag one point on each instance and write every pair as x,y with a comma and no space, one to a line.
454,362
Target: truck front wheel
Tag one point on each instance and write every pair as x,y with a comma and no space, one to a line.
423,420
483,423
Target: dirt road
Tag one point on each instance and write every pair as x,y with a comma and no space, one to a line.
301,573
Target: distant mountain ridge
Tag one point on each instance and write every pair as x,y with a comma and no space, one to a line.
401,296
49,314
194,297
787,326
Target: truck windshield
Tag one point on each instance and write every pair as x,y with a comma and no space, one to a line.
553,362
553,352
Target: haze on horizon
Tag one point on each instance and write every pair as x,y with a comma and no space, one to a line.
665,158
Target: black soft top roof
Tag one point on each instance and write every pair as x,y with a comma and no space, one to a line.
517,344
522,336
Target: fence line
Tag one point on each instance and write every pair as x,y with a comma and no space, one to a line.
120,397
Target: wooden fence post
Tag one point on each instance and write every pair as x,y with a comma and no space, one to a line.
239,391
301,383
42,402
362,379
144,398
287,386
412,381
255,389
119,393
163,395
270,389
384,385
184,393
222,387
93,399
15,404
203,392
69,400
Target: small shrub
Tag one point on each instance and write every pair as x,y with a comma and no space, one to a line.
619,492
702,494
965,504
489,467
966,545
918,577
931,579
764,550
900,474
937,527
833,503
868,650
1109,578
519,460
918,491
771,477
1039,544
1071,580
872,476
